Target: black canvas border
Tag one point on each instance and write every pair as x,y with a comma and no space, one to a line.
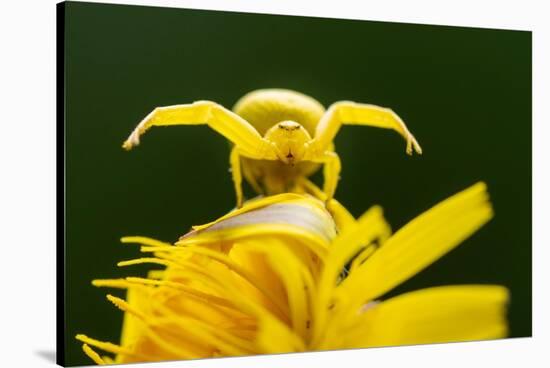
60,185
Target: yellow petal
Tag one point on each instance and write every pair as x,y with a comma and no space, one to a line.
370,226
143,240
318,245
243,273
93,355
132,327
434,315
296,217
291,272
253,205
112,348
203,332
255,263
418,244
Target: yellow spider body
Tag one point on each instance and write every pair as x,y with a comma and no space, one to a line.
265,110
280,136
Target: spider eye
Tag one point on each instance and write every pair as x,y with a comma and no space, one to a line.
289,125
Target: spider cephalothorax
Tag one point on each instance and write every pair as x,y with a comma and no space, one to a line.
289,140
280,136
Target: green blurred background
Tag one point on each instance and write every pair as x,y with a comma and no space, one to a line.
465,93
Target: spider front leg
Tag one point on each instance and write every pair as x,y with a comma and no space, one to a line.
351,113
245,137
227,123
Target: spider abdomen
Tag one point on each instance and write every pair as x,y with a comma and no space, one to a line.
266,107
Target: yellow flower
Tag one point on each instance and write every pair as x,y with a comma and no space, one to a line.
267,278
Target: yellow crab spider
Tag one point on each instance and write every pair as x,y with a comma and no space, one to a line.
279,136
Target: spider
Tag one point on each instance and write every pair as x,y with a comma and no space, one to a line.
280,137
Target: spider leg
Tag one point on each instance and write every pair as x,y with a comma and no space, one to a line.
250,176
331,172
351,113
235,162
342,217
230,125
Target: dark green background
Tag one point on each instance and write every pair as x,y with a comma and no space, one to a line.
465,93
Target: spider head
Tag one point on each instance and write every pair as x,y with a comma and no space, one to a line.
290,140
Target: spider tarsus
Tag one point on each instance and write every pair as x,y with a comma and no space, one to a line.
127,145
